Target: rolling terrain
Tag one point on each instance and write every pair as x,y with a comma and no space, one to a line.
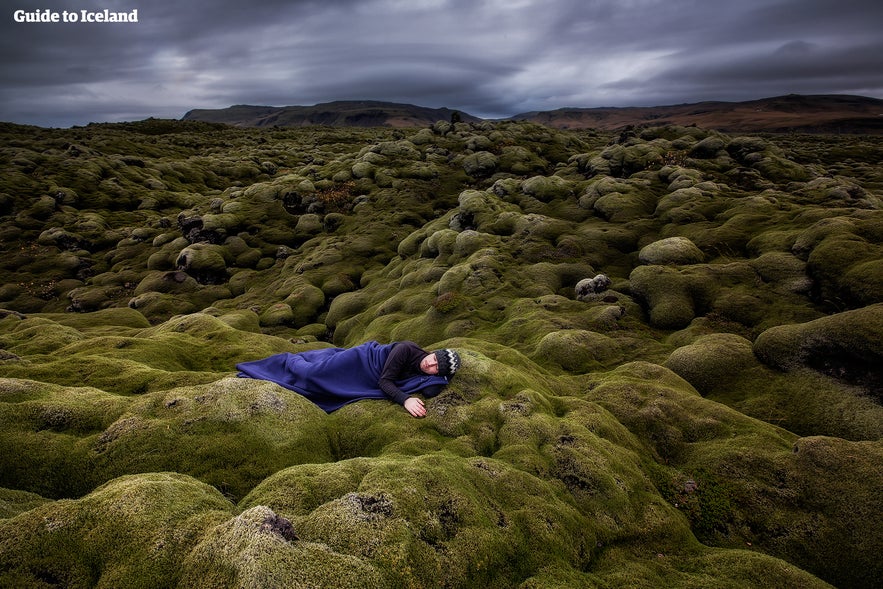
708,416
793,113
837,114
356,113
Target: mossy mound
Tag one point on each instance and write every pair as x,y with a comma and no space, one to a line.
668,295
712,361
578,350
672,250
669,340
846,345
133,530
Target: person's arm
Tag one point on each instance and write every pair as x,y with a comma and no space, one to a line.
401,356
395,364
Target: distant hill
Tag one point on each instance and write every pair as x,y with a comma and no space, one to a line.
360,113
799,113
791,113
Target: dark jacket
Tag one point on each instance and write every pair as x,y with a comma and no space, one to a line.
403,362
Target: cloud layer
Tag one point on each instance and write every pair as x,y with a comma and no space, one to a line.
493,58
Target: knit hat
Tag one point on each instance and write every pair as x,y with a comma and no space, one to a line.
448,362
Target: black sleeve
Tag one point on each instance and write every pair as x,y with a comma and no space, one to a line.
396,365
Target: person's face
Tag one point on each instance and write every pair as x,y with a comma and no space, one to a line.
429,364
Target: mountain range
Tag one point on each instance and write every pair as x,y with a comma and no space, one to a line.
342,113
791,113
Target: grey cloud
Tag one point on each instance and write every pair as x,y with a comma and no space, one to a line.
493,58
795,66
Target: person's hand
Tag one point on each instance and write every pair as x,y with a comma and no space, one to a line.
415,407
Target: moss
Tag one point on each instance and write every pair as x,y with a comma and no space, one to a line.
222,433
462,519
547,188
619,207
740,147
712,361
13,502
345,305
480,164
745,568
246,551
672,250
304,300
577,350
747,482
804,402
666,293
861,285
571,449
166,283
116,318
448,302
278,314
784,270
133,530
480,210
158,306
520,160
779,169
845,345
241,320
864,282
709,147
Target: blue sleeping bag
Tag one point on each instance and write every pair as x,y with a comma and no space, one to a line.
333,377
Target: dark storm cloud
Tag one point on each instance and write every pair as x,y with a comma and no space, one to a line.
491,58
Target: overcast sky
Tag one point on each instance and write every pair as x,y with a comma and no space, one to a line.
489,58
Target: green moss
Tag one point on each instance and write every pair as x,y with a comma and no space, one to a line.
224,433
303,299
13,502
861,284
712,361
571,449
448,302
547,188
578,350
745,568
133,531
666,293
176,283
845,345
672,250
158,306
461,519
804,402
205,262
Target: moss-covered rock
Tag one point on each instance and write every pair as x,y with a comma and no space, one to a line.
547,188
861,284
695,420
206,262
672,250
708,148
480,164
667,294
712,361
133,530
846,345
578,350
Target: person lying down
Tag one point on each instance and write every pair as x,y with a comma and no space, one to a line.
334,377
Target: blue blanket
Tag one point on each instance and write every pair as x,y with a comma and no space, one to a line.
333,377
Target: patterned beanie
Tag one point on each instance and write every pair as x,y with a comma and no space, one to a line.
448,362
